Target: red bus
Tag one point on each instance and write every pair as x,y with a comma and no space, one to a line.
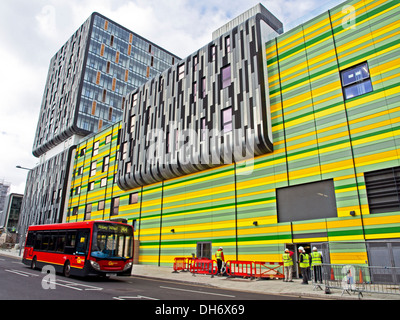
86,248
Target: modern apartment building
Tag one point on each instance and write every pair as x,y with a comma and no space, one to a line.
318,167
87,82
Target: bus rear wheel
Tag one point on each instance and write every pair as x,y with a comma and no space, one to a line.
67,269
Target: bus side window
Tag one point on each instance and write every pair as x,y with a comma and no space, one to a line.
61,242
30,240
38,241
82,241
70,242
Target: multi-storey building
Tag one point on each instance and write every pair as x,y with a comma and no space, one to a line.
322,102
87,82
4,189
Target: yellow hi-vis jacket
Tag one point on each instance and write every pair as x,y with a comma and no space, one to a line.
218,255
316,258
287,260
305,263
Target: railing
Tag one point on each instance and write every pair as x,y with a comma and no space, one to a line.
359,279
232,268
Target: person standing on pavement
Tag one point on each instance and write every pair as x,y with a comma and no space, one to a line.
316,265
304,262
288,265
219,255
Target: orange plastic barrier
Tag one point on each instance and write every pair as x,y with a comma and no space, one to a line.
239,268
181,264
203,266
268,270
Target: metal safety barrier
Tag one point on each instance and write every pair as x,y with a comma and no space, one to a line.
203,266
271,270
359,279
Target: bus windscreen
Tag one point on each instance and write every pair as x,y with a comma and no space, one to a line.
112,241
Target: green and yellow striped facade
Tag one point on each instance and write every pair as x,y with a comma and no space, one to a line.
317,135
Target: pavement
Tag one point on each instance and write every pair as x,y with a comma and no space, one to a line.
265,286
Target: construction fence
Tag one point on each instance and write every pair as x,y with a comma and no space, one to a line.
360,279
245,269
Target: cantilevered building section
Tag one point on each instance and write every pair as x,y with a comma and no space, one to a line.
87,81
211,108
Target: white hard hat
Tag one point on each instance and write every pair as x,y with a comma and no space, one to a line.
286,250
220,247
301,248
314,248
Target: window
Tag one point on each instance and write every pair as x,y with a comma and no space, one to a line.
181,72
133,198
228,44
103,182
93,168
124,148
226,76
106,161
91,186
203,131
383,190
128,167
80,171
168,148
88,211
77,190
108,139
203,87
213,52
100,205
356,81
114,206
95,148
195,63
194,91
227,119
133,123
134,99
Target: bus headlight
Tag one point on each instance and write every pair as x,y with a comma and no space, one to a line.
128,265
95,265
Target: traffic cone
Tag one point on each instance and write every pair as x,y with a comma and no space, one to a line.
332,274
360,277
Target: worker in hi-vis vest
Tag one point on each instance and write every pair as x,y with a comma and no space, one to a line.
316,264
219,255
288,265
304,262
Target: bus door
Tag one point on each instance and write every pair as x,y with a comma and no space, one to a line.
81,248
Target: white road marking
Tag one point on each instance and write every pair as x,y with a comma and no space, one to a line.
203,292
22,273
137,297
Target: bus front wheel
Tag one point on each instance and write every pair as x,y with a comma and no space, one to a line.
67,269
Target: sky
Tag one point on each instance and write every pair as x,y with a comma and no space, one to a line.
31,32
